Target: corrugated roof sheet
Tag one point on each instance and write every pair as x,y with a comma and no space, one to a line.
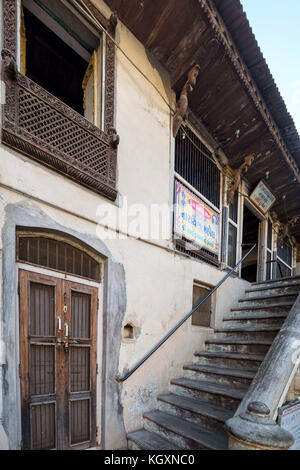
238,25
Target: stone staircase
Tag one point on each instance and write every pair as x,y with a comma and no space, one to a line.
193,414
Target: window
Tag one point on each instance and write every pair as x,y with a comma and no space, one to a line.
233,231
194,163
203,315
60,54
198,181
59,109
232,245
269,266
285,259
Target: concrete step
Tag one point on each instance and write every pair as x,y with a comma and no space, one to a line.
221,375
218,394
258,307
277,283
272,290
145,440
262,332
230,359
239,346
204,414
183,433
277,299
249,318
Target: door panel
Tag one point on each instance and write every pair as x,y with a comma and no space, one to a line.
81,303
58,321
43,428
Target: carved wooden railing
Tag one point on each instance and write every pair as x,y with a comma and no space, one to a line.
254,425
39,125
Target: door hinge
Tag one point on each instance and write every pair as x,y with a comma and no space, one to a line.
20,374
97,304
21,445
97,369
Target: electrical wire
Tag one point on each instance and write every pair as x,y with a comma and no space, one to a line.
86,10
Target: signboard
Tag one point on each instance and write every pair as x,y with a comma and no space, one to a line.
289,419
262,197
195,220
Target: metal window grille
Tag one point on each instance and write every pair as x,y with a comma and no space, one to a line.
193,162
57,255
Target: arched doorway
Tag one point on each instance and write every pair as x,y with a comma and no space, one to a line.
58,298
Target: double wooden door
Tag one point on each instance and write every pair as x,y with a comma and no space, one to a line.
58,328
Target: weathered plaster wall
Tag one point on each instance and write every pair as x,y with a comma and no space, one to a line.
146,285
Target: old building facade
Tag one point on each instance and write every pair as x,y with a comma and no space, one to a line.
101,252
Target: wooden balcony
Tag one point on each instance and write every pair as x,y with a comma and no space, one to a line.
39,125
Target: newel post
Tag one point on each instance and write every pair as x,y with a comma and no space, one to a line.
254,425
255,430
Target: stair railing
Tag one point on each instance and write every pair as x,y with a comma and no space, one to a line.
173,330
254,424
278,264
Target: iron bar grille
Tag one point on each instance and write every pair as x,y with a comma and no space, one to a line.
193,161
200,254
57,255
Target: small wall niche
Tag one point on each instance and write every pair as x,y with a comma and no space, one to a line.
128,332
204,315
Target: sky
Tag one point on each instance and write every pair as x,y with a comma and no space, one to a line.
276,26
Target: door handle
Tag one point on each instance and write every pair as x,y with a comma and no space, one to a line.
66,339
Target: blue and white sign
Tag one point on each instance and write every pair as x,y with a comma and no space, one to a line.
289,419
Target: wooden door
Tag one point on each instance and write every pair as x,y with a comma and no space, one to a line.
58,327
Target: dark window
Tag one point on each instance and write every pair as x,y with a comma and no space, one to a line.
284,252
269,266
53,64
282,271
202,316
194,162
58,255
233,208
232,245
270,231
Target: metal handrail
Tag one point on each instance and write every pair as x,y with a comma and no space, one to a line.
171,332
278,263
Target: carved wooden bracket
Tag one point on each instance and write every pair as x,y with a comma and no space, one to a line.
234,184
284,231
183,102
114,138
113,21
9,66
